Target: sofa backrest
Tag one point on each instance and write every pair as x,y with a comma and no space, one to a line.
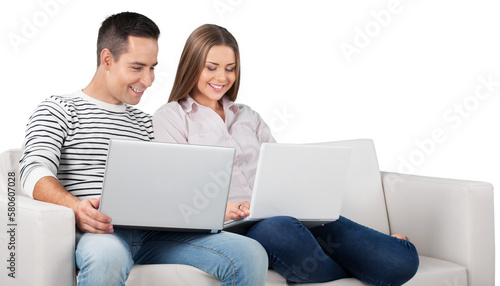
364,200
9,168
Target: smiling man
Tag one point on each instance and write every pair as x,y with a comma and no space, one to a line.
64,156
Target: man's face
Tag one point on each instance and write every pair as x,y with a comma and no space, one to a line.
133,72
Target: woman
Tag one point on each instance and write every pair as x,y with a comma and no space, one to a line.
201,110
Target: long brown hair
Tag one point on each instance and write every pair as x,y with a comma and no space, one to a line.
194,56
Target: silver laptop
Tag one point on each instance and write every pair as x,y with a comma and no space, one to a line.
303,181
166,186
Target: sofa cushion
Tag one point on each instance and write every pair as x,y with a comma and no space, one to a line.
433,271
430,272
175,274
364,200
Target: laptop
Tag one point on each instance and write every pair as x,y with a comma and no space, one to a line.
166,186
303,181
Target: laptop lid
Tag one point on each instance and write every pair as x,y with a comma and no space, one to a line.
166,186
303,181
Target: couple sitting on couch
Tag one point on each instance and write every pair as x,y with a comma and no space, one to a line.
65,151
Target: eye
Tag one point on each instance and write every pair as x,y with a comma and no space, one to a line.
137,68
231,67
211,68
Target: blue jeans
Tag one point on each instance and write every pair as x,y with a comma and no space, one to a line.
106,259
339,249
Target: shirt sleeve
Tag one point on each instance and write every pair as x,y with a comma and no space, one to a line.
45,134
168,125
263,131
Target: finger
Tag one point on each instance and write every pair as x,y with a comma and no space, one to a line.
95,202
234,212
93,213
232,215
89,225
91,220
244,207
241,210
231,212
84,227
237,210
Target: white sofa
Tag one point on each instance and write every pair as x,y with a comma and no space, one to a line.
449,221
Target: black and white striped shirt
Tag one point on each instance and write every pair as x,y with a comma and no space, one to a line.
67,137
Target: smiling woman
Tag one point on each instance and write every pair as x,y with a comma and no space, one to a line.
203,112
216,78
214,42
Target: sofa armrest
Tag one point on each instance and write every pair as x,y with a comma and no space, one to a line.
448,219
45,243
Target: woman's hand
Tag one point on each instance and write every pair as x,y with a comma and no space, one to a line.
237,210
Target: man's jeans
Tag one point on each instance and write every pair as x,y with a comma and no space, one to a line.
339,249
106,259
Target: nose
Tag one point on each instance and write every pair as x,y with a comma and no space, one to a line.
220,75
147,78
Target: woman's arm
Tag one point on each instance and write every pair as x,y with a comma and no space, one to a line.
263,132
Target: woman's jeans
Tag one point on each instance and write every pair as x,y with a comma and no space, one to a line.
106,259
336,250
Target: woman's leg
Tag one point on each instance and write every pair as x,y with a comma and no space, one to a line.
369,255
235,259
293,252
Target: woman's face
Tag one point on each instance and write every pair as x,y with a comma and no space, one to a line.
217,76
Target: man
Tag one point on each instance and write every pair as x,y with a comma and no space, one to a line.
64,157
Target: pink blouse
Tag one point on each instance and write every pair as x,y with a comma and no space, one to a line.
187,121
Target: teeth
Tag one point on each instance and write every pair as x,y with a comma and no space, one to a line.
216,86
136,90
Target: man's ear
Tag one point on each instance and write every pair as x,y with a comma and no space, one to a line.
106,58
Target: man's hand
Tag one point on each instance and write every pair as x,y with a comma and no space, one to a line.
237,210
89,219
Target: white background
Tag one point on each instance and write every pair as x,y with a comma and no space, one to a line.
403,73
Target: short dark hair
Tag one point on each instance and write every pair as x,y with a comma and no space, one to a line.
116,29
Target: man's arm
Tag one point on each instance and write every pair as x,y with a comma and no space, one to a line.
88,218
46,131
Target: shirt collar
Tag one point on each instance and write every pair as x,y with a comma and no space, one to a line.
188,102
101,104
229,104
